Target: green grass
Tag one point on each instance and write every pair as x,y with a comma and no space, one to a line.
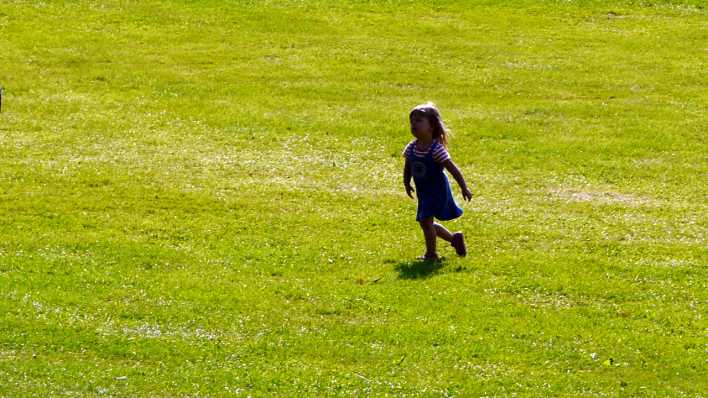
205,199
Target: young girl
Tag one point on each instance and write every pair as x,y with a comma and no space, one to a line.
426,156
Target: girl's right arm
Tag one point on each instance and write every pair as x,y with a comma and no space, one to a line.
407,178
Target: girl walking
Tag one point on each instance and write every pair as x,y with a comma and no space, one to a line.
426,156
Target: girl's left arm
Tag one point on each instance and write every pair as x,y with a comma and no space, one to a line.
457,174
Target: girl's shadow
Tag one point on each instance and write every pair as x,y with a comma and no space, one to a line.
419,269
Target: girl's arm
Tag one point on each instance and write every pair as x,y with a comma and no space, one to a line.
407,178
452,169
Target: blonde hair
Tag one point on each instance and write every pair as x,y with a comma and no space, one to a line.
431,112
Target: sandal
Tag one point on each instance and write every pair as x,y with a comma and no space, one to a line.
458,242
428,258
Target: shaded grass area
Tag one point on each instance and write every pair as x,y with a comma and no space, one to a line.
204,199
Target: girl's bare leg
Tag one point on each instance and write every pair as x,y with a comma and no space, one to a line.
442,232
429,231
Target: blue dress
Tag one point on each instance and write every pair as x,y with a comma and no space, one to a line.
432,187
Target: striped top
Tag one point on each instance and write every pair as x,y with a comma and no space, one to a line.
440,153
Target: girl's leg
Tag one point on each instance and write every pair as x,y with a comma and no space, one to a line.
442,232
457,239
429,232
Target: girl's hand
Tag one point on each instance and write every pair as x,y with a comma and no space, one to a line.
409,189
466,194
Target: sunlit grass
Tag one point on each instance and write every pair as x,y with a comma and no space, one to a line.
205,199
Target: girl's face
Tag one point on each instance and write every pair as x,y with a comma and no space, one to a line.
420,127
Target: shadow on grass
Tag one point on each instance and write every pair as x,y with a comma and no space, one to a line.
419,269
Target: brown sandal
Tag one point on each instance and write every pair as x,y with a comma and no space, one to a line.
427,258
458,242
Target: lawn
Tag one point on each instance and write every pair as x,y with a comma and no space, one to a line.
205,198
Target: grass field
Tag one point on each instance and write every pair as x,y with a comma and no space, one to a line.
205,199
